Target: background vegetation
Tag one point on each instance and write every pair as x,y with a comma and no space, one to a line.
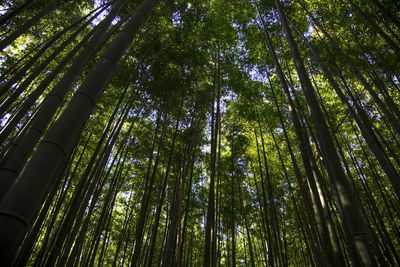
188,133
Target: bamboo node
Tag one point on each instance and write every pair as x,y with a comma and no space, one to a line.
88,96
55,144
11,170
17,217
37,129
111,59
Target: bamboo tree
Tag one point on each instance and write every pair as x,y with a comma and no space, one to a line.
246,225
20,30
149,178
27,104
5,105
306,155
337,176
18,154
363,124
23,70
161,195
209,252
393,121
165,172
233,214
275,234
14,12
389,41
50,153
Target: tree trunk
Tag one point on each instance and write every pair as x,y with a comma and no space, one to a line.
351,214
363,124
58,142
16,158
23,28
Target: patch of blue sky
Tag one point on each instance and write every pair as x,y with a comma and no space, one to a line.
3,10
310,30
257,75
396,80
103,14
4,120
176,18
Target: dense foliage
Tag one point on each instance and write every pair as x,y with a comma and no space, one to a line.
189,133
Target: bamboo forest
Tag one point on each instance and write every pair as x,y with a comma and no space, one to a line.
199,133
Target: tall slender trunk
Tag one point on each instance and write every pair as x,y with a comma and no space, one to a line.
269,237
377,29
161,197
149,178
217,135
233,215
351,214
275,235
246,225
306,153
16,157
12,13
264,233
24,27
22,71
363,124
11,99
209,249
27,104
389,115
58,142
